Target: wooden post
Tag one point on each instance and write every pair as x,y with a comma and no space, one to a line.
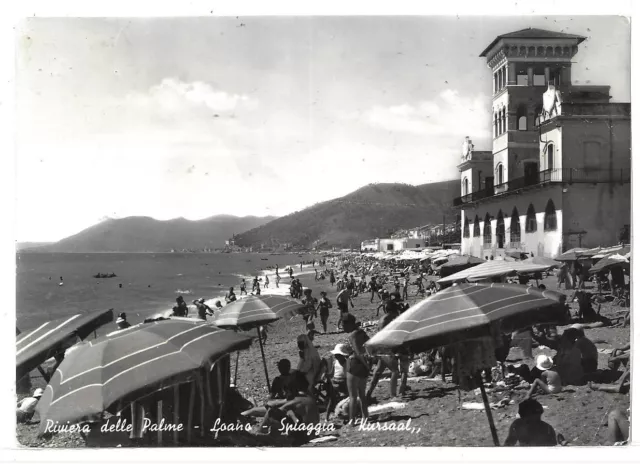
264,362
202,404
192,398
487,409
159,420
176,411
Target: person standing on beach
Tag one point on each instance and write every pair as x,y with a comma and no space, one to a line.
290,272
266,281
323,307
300,266
373,288
243,287
332,278
316,275
277,279
343,299
405,287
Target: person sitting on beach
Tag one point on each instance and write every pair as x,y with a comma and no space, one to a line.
334,375
324,304
587,348
180,309
280,387
122,322
569,361
618,428
529,429
230,297
549,381
301,410
621,386
27,406
243,287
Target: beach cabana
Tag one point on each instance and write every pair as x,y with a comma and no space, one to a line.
149,363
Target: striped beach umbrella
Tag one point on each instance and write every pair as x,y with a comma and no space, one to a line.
47,340
125,365
255,311
495,268
465,312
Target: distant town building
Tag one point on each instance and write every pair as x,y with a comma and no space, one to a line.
393,244
559,173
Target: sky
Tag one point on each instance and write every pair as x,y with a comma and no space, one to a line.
192,117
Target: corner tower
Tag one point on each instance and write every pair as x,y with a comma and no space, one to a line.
524,63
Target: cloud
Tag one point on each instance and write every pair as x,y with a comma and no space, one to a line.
175,96
450,114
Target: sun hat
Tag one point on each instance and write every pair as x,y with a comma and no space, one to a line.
544,362
342,348
38,393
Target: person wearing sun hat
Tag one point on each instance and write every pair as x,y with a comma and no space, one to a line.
549,381
27,406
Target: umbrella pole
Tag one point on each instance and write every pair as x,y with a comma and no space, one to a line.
176,411
192,397
487,409
264,361
235,377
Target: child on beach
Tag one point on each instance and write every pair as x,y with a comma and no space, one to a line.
243,287
549,381
530,429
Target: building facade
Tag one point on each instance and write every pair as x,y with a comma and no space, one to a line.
559,173
393,244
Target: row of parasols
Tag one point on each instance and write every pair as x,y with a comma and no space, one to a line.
125,365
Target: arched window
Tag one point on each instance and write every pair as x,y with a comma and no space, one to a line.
487,229
465,187
476,227
496,124
499,174
531,224
550,219
550,150
504,120
500,230
522,118
465,225
515,226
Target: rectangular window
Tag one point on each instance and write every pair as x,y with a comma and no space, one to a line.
539,80
390,247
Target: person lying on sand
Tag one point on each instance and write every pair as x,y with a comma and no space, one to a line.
621,386
549,381
530,429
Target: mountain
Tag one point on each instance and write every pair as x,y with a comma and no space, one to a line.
144,234
371,211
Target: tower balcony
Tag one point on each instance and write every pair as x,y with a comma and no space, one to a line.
549,176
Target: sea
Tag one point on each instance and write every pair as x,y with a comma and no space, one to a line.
146,283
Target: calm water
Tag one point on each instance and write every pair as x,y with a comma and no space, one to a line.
150,282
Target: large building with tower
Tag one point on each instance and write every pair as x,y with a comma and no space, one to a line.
559,173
